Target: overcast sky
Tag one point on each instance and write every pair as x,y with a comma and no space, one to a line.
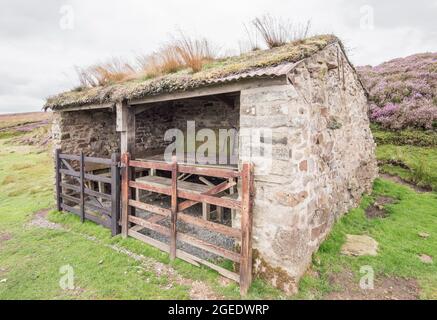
42,40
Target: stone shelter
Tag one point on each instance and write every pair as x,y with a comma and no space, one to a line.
314,163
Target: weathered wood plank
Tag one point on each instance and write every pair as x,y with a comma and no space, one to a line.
224,272
125,194
70,187
150,208
222,202
125,124
208,247
82,186
99,160
115,194
90,107
152,188
102,210
162,246
97,194
70,173
212,226
69,156
97,178
58,181
174,208
187,238
150,225
211,90
70,198
214,190
246,229
151,165
210,172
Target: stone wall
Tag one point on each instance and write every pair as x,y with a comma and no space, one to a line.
90,131
322,158
322,162
207,114
152,124
93,131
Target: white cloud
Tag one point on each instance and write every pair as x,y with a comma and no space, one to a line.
38,56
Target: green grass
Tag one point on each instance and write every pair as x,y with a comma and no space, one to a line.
418,138
10,134
414,164
397,235
31,258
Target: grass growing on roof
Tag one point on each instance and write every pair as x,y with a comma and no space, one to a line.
185,79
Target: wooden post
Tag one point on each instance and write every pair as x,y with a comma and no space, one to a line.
206,211
246,229
58,178
174,207
82,186
125,124
115,194
232,191
125,193
219,214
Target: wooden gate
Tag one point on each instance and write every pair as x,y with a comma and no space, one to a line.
181,199
78,177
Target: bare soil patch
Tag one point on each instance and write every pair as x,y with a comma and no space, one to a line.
404,183
385,288
377,210
5,237
40,220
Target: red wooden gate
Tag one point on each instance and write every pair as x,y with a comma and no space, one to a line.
181,199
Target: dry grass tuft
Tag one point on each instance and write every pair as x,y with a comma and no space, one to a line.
170,59
193,52
276,32
149,65
164,61
115,70
181,52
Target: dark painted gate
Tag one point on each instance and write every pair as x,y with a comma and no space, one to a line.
89,187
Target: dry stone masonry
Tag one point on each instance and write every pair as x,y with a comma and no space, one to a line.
323,161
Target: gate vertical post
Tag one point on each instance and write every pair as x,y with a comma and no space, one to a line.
174,207
115,194
246,229
125,193
58,178
82,186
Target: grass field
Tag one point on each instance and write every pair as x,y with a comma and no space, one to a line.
33,251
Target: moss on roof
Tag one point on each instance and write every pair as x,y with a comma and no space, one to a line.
185,80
